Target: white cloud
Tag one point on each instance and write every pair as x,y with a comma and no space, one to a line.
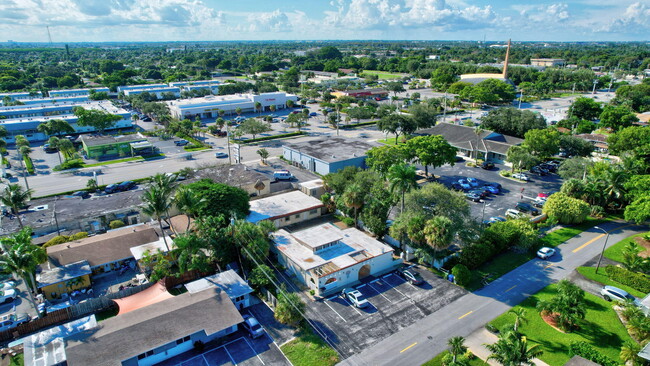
635,19
275,21
544,14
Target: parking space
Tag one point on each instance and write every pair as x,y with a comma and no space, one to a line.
394,304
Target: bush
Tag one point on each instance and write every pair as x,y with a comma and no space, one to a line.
69,164
637,281
115,224
79,235
265,138
585,350
597,211
57,240
506,173
474,255
462,275
565,209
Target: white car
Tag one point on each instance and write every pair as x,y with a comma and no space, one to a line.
13,320
7,285
355,297
514,214
545,253
610,293
7,295
252,326
521,176
282,175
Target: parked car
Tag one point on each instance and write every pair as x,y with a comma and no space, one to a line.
145,119
491,189
464,184
181,142
252,326
472,182
538,170
459,159
473,196
514,214
7,295
282,175
494,219
610,293
313,114
221,133
487,165
550,167
111,188
220,155
494,184
539,202
125,186
456,186
411,275
527,207
7,285
521,176
483,192
11,321
82,194
545,253
49,149
355,297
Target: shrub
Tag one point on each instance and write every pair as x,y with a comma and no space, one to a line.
57,240
79,235
637,281
115,224
462,275
585,350
265,138
69,164
597,211
505,173
565,209
474,255
492,328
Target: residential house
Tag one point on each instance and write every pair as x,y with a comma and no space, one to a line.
55,281
229,282
285,209
328,155
598,140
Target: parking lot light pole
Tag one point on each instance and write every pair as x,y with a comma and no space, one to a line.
604,246
483,214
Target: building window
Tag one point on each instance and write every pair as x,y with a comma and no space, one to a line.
239,298
287,218
313,212
298,216
183,340
145,355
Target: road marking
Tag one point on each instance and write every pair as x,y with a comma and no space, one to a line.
353,307
229,355
333,297
510,288
328,305
545,267
587,243
254,351
373,281
362,286
388,275
381,294
407,348
462,316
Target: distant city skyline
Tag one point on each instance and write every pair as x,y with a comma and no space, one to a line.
221,20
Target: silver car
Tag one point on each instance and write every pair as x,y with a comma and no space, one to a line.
610,293
355,297
252,326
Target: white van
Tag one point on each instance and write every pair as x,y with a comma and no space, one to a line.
282,175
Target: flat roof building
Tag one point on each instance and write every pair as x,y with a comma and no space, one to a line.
20,96
209,106
547,62
285,209
159,91
76,92
326,258
228,281
328,155
362,93
142,86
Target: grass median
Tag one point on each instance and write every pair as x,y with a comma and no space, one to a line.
615,252
308,349
601,277
437,361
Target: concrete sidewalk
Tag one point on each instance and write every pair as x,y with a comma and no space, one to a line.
476,341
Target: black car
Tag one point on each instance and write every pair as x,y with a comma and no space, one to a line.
538,170
483,192
82,194
497,185
550,167
526,207
49,149
111,188
126,185
487,165
455,186
411,276
181,142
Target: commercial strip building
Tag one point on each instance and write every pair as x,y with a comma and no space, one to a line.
64,93
362,93
21,96
547,62
285,209
326,259
328,155
209,106
100,146
488,145
159,91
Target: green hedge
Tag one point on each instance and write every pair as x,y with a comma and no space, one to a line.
585,350
266,138
637,281
354,125
29,164
69,164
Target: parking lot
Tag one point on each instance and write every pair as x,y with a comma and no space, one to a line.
513,191
394,305
241,351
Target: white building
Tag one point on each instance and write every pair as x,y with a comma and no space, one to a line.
21,96
142,86
64,93
209,106
228,281
327,259
158,91
285,209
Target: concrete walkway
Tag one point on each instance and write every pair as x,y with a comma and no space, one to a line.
476,341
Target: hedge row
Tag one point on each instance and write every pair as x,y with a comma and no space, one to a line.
637,281
29,164
266,138
583,349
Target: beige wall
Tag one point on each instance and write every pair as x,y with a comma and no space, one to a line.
297,218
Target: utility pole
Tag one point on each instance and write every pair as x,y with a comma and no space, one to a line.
228,142
521,95
593,91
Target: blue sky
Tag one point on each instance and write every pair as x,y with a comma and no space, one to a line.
205,20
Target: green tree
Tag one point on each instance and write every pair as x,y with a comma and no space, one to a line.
431,150
382,158
512,350
630,353
258,107
513,122
16,198
402,178
565,209
456,347
54,143
157,265
254,127
542,143
19,256
568,305
585,108
98,119
521,158
395,87
261,276
397,124
156,203
424,115
290,308
264,154
462,275
575,146
520,316
617,117
188,203
353,198
190,254
220,199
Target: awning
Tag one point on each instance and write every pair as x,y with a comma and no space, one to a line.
141,145
152,295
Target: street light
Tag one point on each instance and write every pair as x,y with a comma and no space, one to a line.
604,245
483,214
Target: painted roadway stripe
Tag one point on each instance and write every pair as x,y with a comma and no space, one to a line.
587,243
462,316
255,352
362,286
381,294
386,276
353,307
373,281
335,312
510,288
547,266
229,355
407,348
333,297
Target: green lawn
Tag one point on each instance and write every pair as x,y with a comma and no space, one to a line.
601,328
558,237
437,361
135,158
17,360
308,349
615,252
601,276
384,74
497,267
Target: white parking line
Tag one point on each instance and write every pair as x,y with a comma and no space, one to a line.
229,355
381,294
255,352
353,307
328,305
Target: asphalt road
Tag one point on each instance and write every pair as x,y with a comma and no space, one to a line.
426,338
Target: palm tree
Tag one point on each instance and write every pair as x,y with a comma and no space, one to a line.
263,153
614,181
21,257
290,103
238,111
630,353
353,198
402,177
520,316
15,197
258,107
187,202
272,107
157,203
66,147
54,143
478,131
456,346
44,128
438,232
512,350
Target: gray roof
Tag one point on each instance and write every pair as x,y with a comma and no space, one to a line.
234,175
63,273
229,281
97,140
464,137
128,335
333,149
580,361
